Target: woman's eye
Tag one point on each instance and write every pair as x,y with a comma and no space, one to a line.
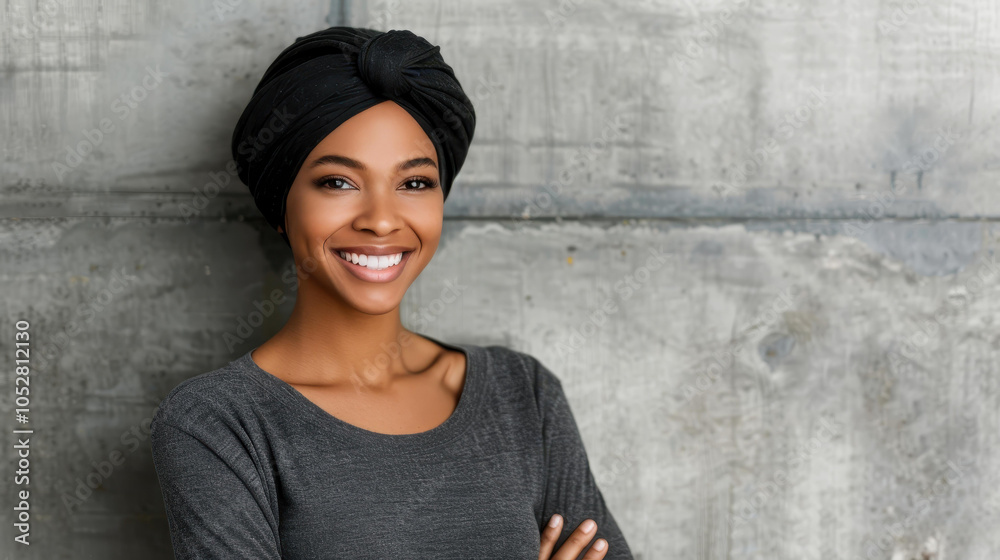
427,184
333,183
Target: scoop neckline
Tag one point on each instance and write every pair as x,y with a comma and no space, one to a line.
454,425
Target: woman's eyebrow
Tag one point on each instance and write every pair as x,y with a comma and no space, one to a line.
355,164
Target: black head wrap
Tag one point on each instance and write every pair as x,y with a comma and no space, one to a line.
327,77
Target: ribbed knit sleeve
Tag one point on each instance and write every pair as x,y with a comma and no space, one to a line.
215,502
570,488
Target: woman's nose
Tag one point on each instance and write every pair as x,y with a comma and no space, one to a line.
378,212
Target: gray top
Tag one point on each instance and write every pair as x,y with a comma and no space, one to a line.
251,468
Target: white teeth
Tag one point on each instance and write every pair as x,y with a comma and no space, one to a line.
373,262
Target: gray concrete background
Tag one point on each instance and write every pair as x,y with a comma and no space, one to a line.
812,372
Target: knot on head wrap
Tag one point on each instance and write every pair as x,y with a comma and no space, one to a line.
384,59
327,77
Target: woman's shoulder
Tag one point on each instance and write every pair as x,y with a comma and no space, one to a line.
211,395
522,367
525,381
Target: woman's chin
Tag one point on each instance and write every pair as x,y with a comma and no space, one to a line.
376,300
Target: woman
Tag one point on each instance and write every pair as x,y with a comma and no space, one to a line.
346,435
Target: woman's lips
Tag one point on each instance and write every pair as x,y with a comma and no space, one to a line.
370,275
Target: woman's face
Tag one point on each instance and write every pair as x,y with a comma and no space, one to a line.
372,188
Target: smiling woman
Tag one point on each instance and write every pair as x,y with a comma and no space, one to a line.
345,434
369,188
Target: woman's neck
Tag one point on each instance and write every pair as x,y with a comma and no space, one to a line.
330,342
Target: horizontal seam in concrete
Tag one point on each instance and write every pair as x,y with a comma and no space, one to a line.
595,218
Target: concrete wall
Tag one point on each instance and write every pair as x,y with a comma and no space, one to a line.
808,369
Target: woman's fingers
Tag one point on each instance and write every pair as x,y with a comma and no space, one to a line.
549,536
575,544
578,541
597,550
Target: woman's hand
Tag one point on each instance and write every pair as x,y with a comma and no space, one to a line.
574,545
